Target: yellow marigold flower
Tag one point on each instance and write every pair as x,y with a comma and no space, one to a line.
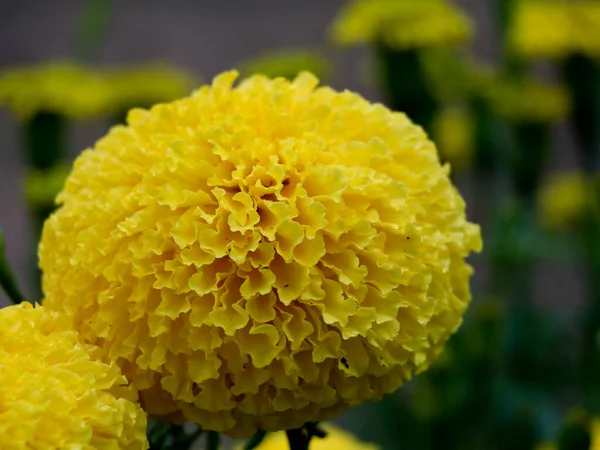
261,256
555,29
453,130
287,64
564,200
336,439
61,88
527,100
145,85
402,23
55,394
451,75
540,28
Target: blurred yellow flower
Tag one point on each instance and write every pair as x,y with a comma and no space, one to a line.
287,64
555,29
527,100
261,255
451,75
336,439
564,199
145,85
402,23
61,88
55,394
453,131
42,186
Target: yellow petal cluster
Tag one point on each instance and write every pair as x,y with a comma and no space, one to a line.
62,88
261,255
54,394
287,64
147,84
554,29
402,24
527,100
336,438
564,200
454,132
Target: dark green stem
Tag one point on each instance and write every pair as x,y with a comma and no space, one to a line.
7,279
405,84
212,440
532,142
582,77
44,139
298,439
255,440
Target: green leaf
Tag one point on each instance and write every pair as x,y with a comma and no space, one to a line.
7,279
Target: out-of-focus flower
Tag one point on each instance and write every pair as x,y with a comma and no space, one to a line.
145,85
61,88
42,186
527,100
555,29
55,394
451,75
336,439
453,131
564,200
261,256
287,64
402,23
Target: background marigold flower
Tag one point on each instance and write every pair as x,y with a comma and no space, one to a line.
564,199
555,29
453,130
402,23
526,100
145,85
61,88
287,64
263,255
54,394
336,439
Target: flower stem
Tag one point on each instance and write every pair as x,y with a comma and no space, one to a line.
212,440
298,439
255,440
7,279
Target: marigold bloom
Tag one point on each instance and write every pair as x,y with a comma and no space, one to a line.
263,255
54,394
453,130
61,88
336,439
287,64
527,100
555,29
145,85
564,199
402,23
